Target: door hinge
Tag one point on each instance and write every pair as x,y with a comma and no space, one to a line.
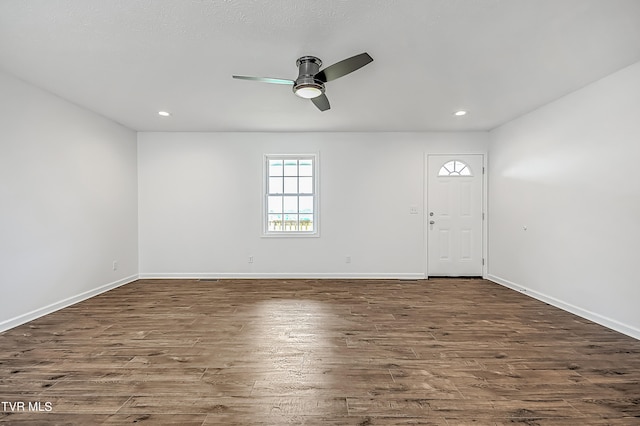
482,262
482,170
482,215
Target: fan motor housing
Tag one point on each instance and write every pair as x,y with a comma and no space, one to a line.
308,67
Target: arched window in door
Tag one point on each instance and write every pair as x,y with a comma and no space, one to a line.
455,168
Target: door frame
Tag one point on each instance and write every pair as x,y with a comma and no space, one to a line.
425,208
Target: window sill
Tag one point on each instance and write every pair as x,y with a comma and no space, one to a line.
291,234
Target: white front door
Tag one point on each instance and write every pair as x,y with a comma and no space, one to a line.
454,215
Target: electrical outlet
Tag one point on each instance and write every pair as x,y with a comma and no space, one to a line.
413,209
115,265
250,259
347,259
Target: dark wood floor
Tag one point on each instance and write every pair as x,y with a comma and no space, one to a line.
443,351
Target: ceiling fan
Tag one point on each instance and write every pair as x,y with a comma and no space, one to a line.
310,81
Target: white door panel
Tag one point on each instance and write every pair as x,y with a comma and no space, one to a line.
454,219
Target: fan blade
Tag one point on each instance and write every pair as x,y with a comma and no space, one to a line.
322,102
344,67
265,79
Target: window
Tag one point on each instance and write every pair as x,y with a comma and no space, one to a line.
291,199
455,168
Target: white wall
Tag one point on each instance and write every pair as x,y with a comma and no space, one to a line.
68,203
200,203
569,173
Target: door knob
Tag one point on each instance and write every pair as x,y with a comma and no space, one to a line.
431,222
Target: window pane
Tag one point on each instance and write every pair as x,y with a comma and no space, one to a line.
306,204
274,204
275,222
455,168
451,166
275,167
306,222
306,185
290,222
291,167
291,185
275,185
291,204
306,168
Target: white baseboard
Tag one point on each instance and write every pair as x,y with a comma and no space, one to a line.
583,313
275,275
30,316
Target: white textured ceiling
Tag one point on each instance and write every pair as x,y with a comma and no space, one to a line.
127,59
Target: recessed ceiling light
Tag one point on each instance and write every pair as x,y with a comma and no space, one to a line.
460,113
164,113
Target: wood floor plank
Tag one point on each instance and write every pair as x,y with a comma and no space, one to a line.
318,352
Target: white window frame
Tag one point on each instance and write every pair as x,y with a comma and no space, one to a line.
314,157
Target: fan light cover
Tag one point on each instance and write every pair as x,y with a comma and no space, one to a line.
308,92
